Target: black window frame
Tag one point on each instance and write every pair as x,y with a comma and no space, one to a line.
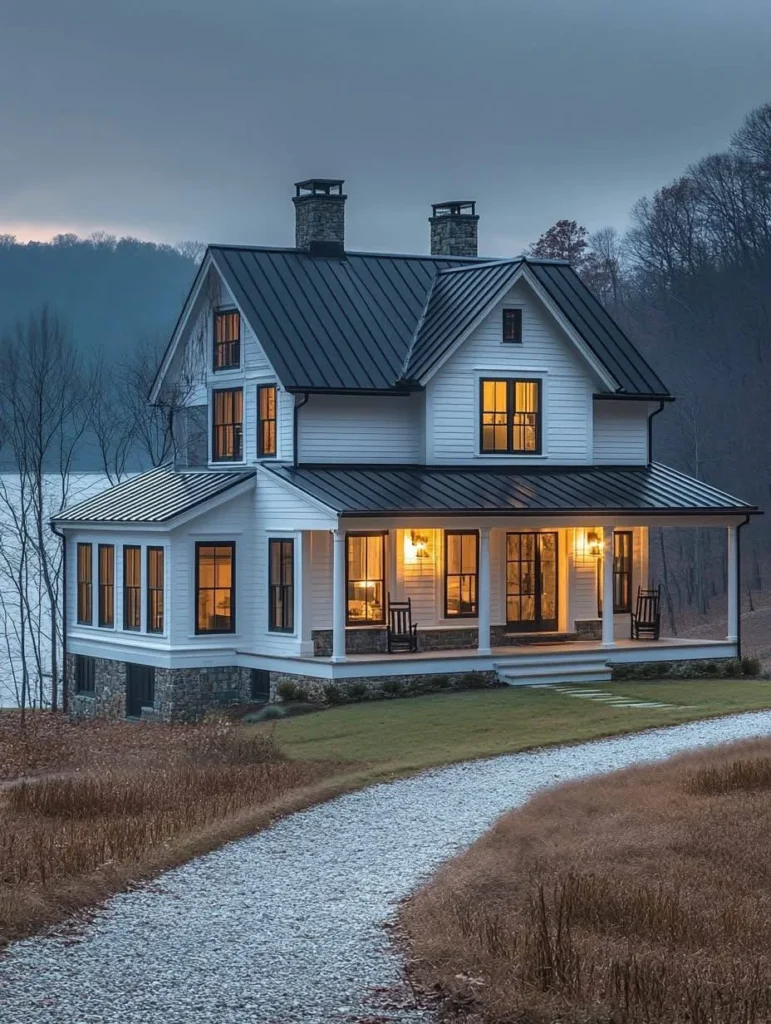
382,534
85,674
511,392
281,590
445,574
215,544
134,589
85,587
105,587
237,426
155,593
626,572
262,450
233,345
511,314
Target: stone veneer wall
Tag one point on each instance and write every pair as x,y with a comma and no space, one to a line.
373,641
589,629
181,694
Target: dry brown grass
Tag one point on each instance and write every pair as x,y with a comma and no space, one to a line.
644,896
157,797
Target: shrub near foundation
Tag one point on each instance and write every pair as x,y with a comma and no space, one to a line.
640,896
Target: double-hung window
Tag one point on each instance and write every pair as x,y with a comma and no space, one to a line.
281,585
227,339
106,585
85,577
461,568
155,590
227,425
266,419
510,416
132,587
365,579
622,573
215,587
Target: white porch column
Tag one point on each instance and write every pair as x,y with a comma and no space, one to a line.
483,597
607,586
338,595
733,584
305,594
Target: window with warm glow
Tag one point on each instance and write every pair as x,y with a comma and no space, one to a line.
106,585
281,585
365,578
266,419
85,607
227,425
215,574
132,587
155,590
227,339
461,549
510,416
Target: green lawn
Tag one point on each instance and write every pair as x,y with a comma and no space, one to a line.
417,732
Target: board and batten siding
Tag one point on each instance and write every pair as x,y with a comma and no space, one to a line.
352,428
452,394
620,432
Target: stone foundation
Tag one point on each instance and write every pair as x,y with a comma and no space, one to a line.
181,694
374,640
589,629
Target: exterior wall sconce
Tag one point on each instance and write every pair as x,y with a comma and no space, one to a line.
588,544
417,547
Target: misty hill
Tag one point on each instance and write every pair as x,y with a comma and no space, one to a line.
110,292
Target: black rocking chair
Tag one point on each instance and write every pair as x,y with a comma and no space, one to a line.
646,621
402,631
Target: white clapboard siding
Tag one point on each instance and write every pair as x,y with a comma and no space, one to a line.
620,432
279,506
583,600
352,428
321,579
452,397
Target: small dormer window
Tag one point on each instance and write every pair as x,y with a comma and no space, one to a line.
227,339
512,325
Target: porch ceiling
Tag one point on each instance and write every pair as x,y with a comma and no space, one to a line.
605,490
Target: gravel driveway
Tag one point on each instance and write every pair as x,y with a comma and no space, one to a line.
286,926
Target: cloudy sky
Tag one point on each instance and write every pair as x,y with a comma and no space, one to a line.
179,119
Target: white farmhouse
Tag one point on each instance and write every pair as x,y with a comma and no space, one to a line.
372,443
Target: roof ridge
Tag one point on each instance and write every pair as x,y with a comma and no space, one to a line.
481,266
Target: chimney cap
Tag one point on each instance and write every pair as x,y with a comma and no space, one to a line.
456,208
332,187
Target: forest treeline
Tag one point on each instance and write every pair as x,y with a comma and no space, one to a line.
690,282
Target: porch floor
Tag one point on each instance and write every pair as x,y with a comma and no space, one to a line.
531,650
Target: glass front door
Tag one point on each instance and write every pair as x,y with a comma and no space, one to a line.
531,581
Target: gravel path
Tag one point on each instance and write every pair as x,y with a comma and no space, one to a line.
286,926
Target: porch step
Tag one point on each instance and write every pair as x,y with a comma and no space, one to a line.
551,671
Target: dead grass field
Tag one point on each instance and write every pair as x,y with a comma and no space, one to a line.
128,800
640,896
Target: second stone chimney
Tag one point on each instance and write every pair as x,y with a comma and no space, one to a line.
320,217
454,228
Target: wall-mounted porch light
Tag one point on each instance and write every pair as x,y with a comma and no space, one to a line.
417,547
588,544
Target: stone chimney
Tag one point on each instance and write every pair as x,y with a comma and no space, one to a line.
454,229
319,206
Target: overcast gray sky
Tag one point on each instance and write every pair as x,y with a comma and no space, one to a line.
175,119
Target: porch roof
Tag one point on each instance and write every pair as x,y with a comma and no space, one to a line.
461,490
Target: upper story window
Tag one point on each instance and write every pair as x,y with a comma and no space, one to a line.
227,425
510,416
215,581
512,325
132,586
227,339
155,590
106,585
85,577
266,419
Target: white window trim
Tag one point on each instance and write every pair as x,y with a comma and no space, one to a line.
227,386
296,538
229,307
513,305
520,373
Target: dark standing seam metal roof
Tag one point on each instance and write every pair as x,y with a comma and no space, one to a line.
155,497
331,323
654,490
373,322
